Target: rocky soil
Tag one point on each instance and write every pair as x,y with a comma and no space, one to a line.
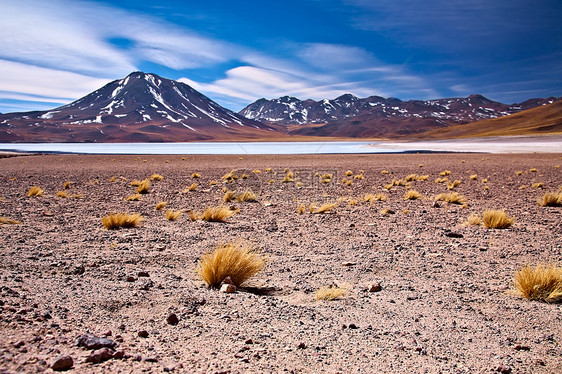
76,296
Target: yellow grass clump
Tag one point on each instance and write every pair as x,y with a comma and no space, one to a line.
112,179
533,170
423,177
538,185
62,194
496,219
66,185
348,173
411,177
359,177
118,220
384,172
229,196
454,184
213,183
412,195
542,283
445,173
8,221
353,202
256,171
301,209
371,198
156,177
237,261
474,220
451,198
35,191
144,187
215,214
135,183
172,215
135,197
485,180
441,180
288,178
246,196
229,177
518,172
195,175
322,208
161,205
474,177
330,293
190,188
551,199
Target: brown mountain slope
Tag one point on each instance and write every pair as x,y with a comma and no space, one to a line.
543,120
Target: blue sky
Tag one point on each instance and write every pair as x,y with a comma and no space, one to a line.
53,52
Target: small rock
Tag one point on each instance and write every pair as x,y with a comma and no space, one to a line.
100,355
348,263
48,214
79,270
228,288
436,204
172,319
118,355
130,278
520,347
137,358
143,274
93,342
143,334
301,345
375,287
61,363
150,359
503,369
107,333
249,341
227,280
452,234
352,326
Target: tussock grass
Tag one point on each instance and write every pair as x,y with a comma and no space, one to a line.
287,178
542,283
485,180
423,177
172,215
454,184
299,185
213,183
352,202
229,196
214,214
230,177
161,205
371,198
411,177
551,199
538,185
522,187
451,198
533,170
441,180
329,293
246,196
386,211
238,261
474,177
62,194
301,209
324,208
518,172
359,177
35,191
193,187
348,173
156,177
112,179
66,185
121,220
135,197
144,187
384,172
412,195
135,183
8,221
474,220
195,175
256,171
445,173
496,219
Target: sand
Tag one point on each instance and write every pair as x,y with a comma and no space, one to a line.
444,306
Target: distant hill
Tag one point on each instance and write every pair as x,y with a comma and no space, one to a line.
545,119
139,108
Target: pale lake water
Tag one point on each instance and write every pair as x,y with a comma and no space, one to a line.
547,144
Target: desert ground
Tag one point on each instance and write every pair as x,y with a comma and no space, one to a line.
445,303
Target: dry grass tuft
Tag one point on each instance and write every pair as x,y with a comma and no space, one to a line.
230,177
144,187
195,175
213,183
353,202
288,178
451,198
441,180
229,196
8,221
474,220
474,177
62,194
384,172
135,183
386,211
118,220
485,180
412,195
247,196
256,171
172,215
372,198
348,173
66,185
237,261
324,208
538,185
533,170
35,191
112,179
301,209
135,197
551,199
454,184
542,283
411,177
330,293
445,173
190,188
161,205
359,177
496,219
215,214
423,177
156,177
518,172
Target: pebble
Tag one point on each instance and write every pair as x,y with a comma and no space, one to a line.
349,263
93,342
143,274
228,288
172,319
503,369
62,363
100,355
301,345
130,278
143,334
375,287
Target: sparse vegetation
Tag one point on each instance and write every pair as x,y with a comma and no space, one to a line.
445,173
135,183
143,187
518,172
386,211
348,173
195,175
359,177
411,177
237,261
35,191
423,177
496,219
8,221
474,177
533,170
542,283
371,198
246,196
62,194
551,199
66,185
112,179
156,177
229,196
474,220
412,195
330,293
454,184
213,214
172,215
441,180
135,197
538,185
324,208
301,209
193,187
161,205
485,180
121,220
451,198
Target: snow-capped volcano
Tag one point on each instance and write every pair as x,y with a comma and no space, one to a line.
140,107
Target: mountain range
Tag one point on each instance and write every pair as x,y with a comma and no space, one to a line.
145,107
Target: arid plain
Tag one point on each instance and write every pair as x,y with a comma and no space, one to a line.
444,304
